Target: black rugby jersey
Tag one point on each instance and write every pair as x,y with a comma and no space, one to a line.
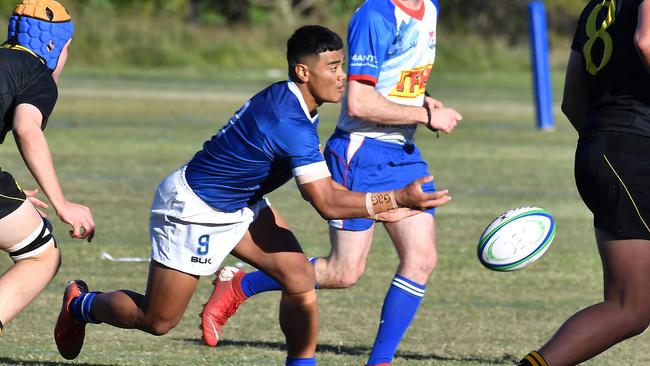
619,84
24,79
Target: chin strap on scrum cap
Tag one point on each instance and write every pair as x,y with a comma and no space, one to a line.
42,26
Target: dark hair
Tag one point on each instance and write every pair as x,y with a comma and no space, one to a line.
310,40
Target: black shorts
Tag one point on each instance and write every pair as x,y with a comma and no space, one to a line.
612,172
11,196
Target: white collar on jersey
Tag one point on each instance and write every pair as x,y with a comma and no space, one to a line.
294,89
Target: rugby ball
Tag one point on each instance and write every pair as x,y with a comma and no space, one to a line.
516,239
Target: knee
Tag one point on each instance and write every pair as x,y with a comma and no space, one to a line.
298,278
632,315
55,261
635,322
421,263
161,327
349,278
340,274
53,258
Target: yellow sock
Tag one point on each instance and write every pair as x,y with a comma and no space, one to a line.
533,359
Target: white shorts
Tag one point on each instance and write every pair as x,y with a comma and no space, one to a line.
189,235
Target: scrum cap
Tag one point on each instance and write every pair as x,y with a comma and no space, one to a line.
43,26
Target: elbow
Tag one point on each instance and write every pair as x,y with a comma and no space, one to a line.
25,132
325,210
355,109
642,43
328,214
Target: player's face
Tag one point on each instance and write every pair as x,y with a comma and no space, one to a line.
327,77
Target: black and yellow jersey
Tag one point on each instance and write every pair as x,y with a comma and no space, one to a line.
619,84
24,79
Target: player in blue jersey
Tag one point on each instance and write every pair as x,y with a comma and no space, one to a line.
215,205
606,99
31,61
392,45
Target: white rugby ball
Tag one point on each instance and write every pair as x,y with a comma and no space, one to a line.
516,239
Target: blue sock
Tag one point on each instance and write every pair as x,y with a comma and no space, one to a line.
301,361
401,304
80,307
257,282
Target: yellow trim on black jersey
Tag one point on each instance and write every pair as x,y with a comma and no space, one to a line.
628,192
12,198
19,47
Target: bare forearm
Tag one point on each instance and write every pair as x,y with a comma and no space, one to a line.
366,104
36,154
343,204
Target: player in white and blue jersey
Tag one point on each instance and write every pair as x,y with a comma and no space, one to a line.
392,45
215,205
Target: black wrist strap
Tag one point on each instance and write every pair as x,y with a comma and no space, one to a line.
431,128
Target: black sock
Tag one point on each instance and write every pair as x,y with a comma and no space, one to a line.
533,359
1,327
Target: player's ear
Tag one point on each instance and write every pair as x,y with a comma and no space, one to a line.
302,72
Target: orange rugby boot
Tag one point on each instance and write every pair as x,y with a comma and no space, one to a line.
69,333
223,303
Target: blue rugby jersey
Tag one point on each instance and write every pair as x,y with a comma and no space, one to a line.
393,48
271,138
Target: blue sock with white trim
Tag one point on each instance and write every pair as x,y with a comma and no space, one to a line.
401,304
257,282
301,361
81,305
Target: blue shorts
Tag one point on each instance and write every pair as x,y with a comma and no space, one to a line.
368,165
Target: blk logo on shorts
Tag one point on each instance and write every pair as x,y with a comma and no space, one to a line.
201,260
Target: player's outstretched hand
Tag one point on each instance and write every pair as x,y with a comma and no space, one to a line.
80,218
38,204
443,119
412,195
395,215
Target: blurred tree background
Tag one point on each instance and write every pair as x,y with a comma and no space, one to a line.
477,35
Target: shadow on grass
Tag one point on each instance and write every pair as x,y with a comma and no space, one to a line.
14,361
364,351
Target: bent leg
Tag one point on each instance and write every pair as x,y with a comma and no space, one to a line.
270,246
624,313
161,308
414,240
346,263
342,268
24,280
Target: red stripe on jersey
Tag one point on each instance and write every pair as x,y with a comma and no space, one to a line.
362,77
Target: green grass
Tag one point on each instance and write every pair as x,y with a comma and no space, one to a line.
114,139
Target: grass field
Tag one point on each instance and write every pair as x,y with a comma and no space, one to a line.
114,139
